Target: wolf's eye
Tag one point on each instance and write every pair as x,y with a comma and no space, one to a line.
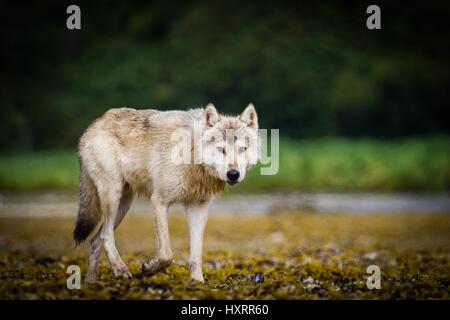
220,149
242,149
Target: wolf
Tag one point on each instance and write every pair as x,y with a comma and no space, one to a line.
128,152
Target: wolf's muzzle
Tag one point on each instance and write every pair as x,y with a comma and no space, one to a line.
233,176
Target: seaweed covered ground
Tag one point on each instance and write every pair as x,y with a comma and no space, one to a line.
279,256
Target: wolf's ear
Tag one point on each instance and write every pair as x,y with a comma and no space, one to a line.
211,115
249,116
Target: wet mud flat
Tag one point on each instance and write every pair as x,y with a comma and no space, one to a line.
48,204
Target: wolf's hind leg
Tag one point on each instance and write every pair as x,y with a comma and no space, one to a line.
197,215
110,202
97,243
164,250
94,257
124,206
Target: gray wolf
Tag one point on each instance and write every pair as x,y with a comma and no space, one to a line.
127,152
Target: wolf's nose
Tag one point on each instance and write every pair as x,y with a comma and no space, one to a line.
233,175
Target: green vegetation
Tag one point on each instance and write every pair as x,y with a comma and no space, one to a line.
40,170
358,165
311,69
281,256
309,165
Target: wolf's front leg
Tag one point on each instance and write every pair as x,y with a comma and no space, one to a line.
164,255
197,215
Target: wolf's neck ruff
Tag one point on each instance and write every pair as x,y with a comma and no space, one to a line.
201,185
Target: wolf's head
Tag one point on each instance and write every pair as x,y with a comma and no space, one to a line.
230,143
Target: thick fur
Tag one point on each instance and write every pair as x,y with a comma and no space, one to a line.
127,152
89,212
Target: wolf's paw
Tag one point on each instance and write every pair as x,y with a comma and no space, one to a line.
91,277
122,273
196,272
153,266
197,279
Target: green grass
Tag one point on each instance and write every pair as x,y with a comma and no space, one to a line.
40,170
358,165
421,164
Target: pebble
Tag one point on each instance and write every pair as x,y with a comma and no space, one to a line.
371,255
257,278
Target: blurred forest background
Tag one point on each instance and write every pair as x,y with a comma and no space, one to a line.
356,108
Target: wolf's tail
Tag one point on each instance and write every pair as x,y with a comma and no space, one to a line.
89,212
